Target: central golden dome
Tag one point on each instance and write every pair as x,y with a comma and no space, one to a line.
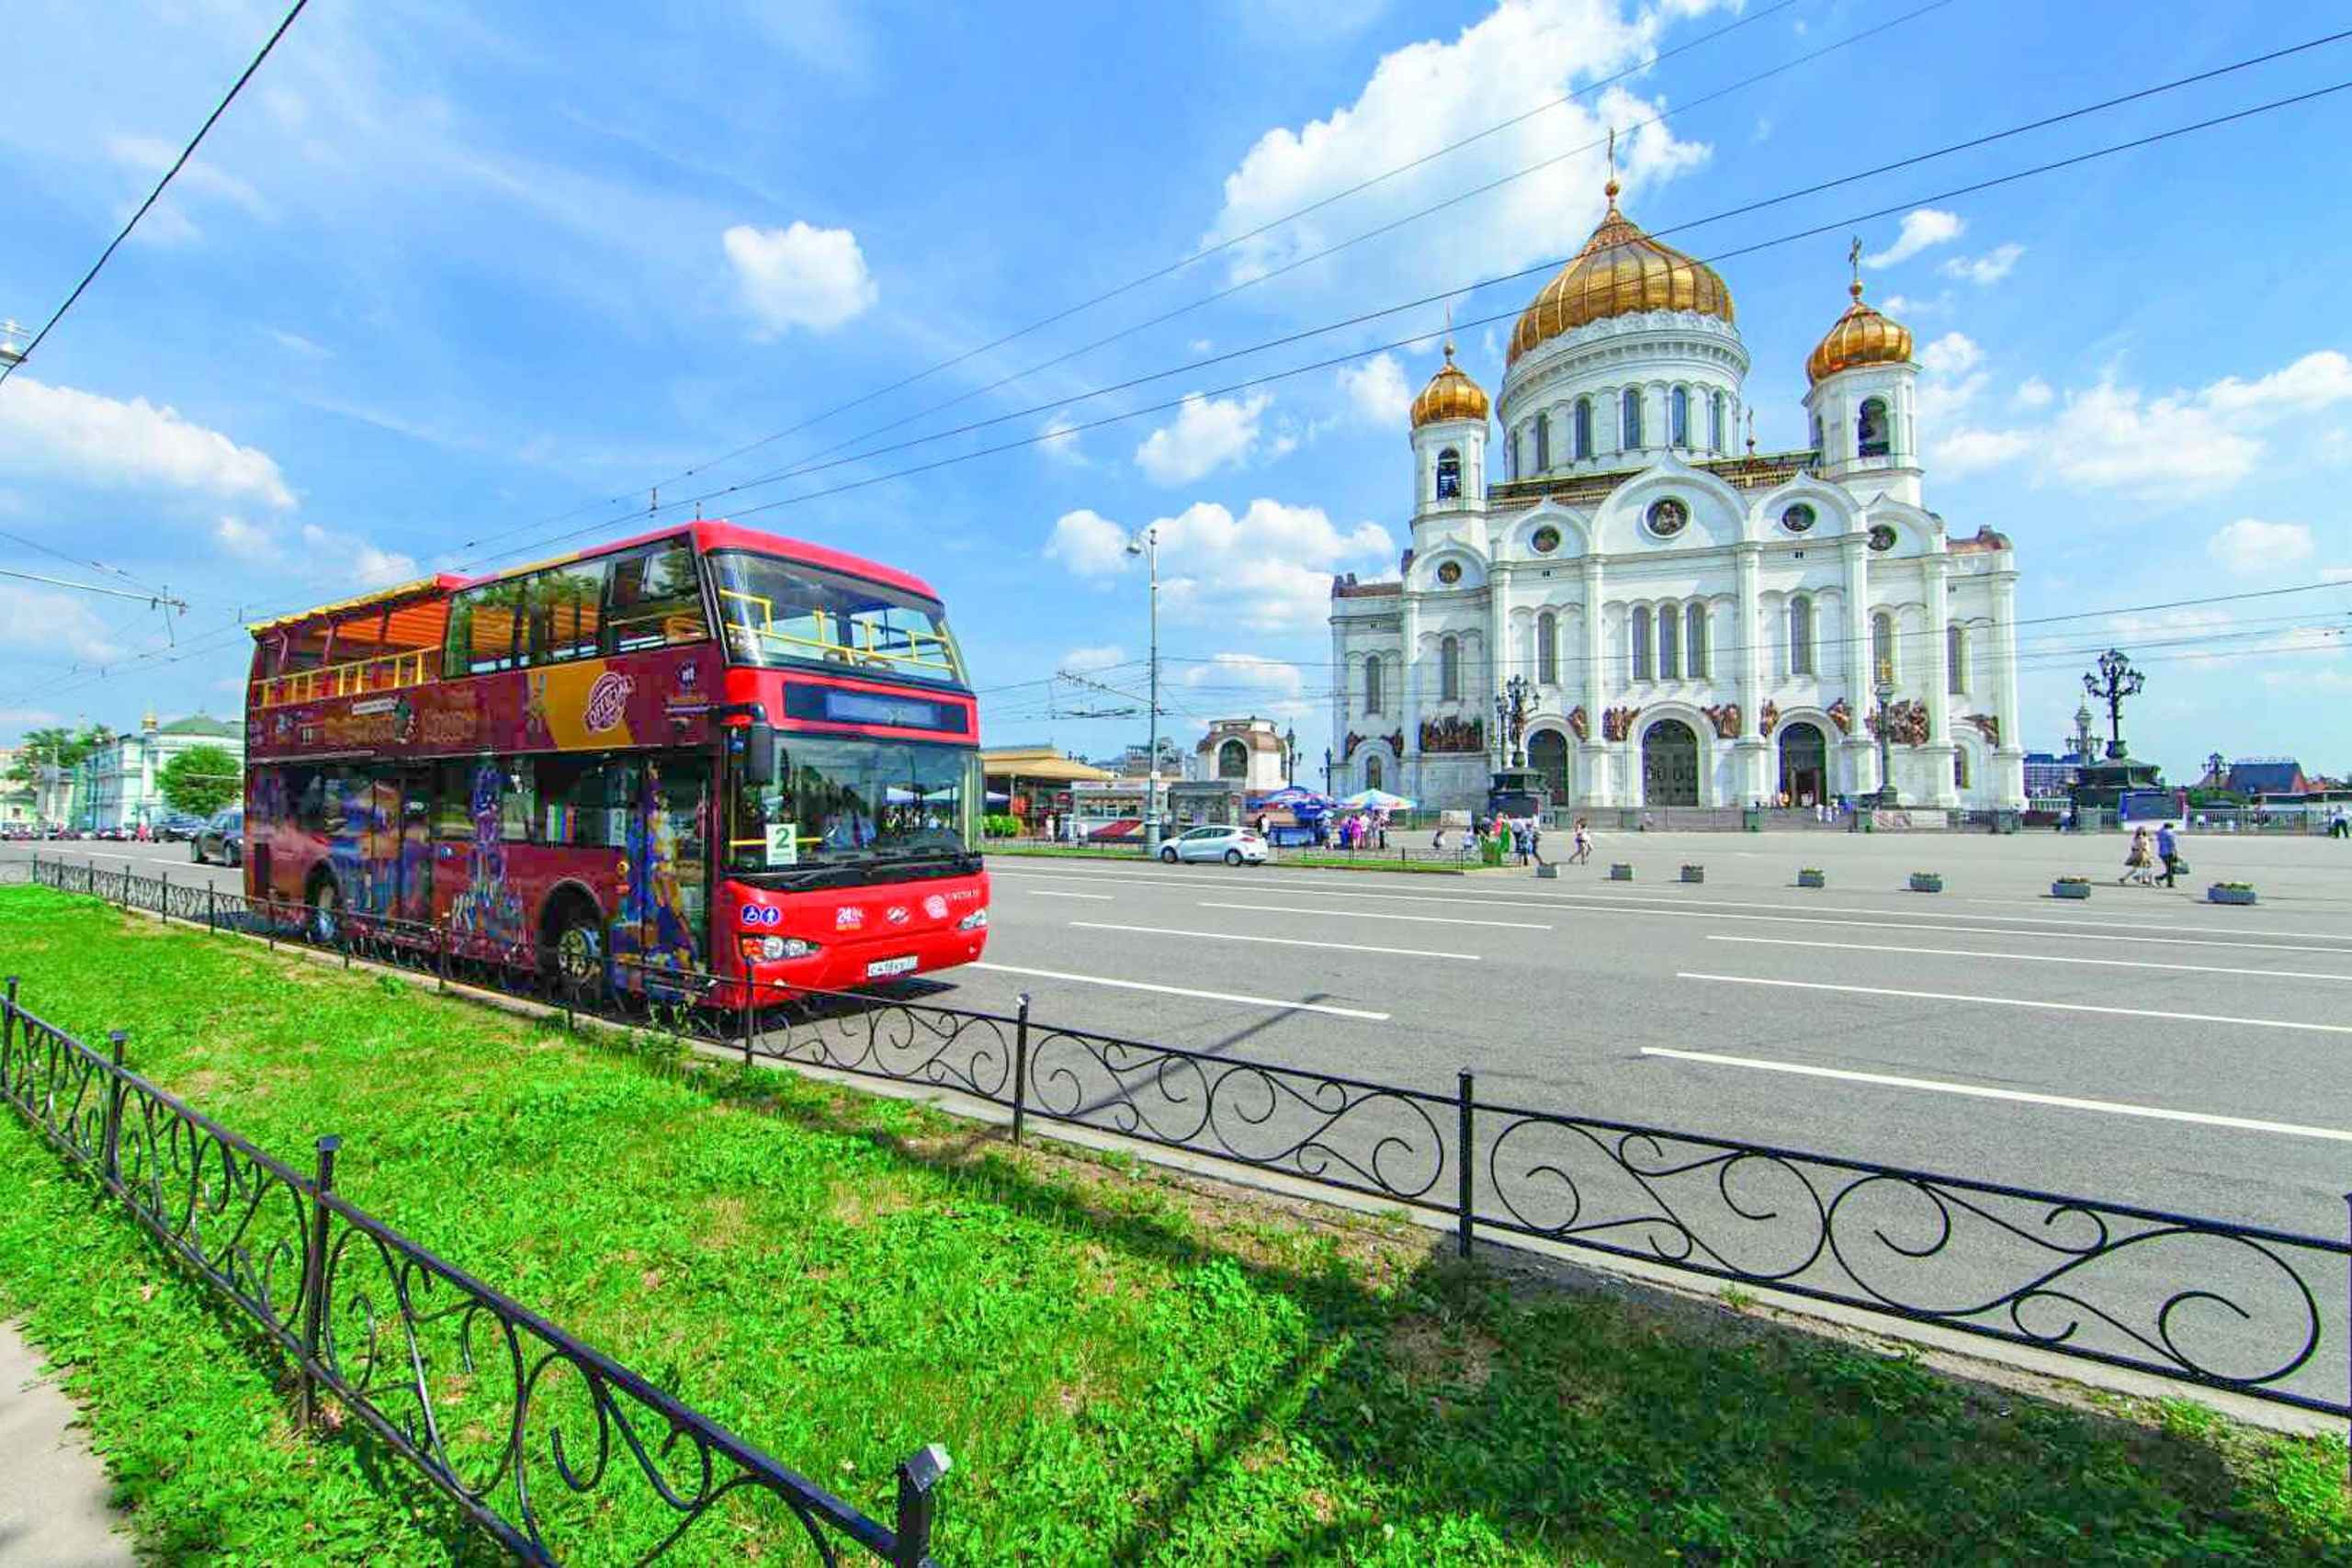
1620,270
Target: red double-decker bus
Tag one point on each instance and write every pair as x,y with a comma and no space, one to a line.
666,766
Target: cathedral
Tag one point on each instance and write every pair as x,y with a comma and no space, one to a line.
1695,623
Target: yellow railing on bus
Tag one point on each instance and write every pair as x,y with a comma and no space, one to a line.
923,650
385,672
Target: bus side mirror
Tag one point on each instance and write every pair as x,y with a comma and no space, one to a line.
754,751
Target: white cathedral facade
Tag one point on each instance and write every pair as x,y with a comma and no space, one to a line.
1696,625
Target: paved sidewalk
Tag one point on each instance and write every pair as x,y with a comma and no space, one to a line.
53,1511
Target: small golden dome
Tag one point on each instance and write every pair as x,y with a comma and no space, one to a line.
1861,336
1620,270
1451,394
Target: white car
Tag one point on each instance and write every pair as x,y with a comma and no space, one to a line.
1232,845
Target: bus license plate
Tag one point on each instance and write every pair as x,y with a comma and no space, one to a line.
881,966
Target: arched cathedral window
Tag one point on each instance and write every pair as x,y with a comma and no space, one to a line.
1448,670
1694,641
1870,436
1583,428
1669,642
1448,474
1543,443
1715,422
1801,636
1547,649
1641,633
1956,661
1629,420
1372,685
1679,416
1882,645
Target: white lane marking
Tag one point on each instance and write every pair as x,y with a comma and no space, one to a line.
2019,1002
1698,908
1977,1092
1275,940
1367,915
2032,958
1049,893
1276,1002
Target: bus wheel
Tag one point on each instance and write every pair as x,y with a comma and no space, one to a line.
326,922
576,959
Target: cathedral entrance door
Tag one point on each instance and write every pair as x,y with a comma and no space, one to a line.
1547,754
1804,763
1670,764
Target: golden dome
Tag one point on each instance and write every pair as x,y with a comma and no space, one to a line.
1620,270
1451,394
1861,336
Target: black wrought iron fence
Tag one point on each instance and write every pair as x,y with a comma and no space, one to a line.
2250,1310
540,1438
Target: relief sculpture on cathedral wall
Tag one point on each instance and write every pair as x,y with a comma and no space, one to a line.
1348,749
1905,723
1580,723
1395,739
1988,724
1618,722
1842,715
1726,720
1454,735
1770,720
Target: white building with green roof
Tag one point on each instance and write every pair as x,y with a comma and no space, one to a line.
120,784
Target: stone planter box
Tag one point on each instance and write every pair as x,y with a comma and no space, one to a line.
1694,874
1925,882
2070,890
2229,894
1621,872
1547,869
1812,879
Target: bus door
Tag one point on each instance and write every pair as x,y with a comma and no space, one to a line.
412,886
669,874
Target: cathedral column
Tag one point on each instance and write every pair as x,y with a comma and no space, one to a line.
1752,753
1408,765
1861,751
2009,758
1937,753
1502,661
1592,752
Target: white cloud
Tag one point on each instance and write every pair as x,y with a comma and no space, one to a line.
295,343
1923,227
800,276
1080,661
1207,434
1270,688
1200,345
1955,354
1905,307
324,556
1378,391
1991,267
105,442
2163,447
1269,568
167,221
1059,440
53,623
1426,95
2250,546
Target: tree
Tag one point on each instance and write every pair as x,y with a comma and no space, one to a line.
201,780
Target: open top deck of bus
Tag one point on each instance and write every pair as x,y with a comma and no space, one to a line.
400,637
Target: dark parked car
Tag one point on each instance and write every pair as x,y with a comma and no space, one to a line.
222,838
179,825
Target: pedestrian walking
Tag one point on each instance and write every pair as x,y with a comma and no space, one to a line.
2168,851
2136,860
1519,841
2339,824
1582,853
1535,842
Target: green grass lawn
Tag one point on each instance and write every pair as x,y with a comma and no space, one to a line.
1127,1368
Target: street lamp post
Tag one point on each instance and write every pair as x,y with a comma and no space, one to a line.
2115,680
1289,756
1884,691
1327,770
1147,544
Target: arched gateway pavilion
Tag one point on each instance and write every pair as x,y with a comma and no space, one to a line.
1701,625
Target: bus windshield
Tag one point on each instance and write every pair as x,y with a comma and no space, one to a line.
782,612
853,805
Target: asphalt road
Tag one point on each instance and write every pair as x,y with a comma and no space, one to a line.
2144,1047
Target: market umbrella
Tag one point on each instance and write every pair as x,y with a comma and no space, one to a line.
1292,797
1375,800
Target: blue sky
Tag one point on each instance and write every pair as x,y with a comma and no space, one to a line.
443,290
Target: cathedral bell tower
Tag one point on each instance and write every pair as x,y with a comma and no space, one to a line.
1862,399
1449,443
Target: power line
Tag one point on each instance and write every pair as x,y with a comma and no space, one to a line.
1972,189
72,560
1647,63
177,163
1442,295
